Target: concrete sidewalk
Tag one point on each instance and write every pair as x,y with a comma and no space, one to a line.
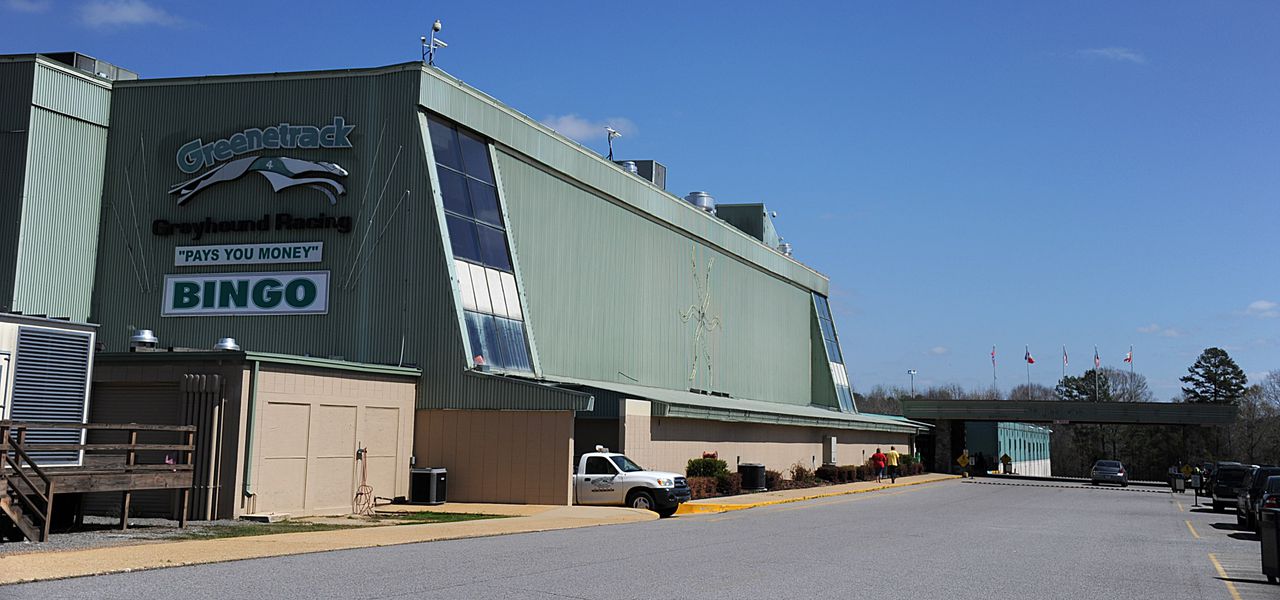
744,501
37,566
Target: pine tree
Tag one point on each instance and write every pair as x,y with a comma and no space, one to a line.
1215,378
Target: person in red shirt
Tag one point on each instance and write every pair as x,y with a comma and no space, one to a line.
877,461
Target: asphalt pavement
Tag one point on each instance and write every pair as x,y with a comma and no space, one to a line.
951,539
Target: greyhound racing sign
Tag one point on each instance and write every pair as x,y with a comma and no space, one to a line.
223,161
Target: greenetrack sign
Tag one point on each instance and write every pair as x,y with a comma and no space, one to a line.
197,154
269,293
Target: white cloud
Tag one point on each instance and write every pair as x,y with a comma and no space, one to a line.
587,130
939,350
114,13
1114,53
28,6
1156,329
1263,309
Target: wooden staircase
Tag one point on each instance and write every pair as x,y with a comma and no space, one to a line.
26,492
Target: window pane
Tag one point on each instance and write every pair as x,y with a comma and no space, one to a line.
481,285
496,292
453,189
833,352
473,335
828,330
511,336
493,344
824,310
464,284
475,157
513,297
484,200
444,143
493,248
462,237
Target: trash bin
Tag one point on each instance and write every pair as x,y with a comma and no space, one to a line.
1179,484
1269,526
752,477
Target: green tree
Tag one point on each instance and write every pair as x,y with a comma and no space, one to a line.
1092,386
1215,378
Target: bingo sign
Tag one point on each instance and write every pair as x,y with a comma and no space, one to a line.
274,293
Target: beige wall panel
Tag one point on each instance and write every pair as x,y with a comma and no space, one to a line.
672,442
284,430
284,484
499,456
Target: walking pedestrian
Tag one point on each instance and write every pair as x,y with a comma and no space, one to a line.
891,459
877,462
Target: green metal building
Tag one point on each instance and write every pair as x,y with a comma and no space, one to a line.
552,299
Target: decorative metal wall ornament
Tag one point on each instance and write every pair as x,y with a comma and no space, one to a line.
698,312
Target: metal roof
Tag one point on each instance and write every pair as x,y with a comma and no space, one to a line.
689,405
1050,411
264,357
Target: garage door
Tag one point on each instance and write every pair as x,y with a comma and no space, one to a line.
308,458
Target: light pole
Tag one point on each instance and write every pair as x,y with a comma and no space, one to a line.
912,373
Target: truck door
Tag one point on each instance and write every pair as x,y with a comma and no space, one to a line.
598,483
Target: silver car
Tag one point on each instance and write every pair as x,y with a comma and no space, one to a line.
1109,471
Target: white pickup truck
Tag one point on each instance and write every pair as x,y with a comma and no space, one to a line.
611,479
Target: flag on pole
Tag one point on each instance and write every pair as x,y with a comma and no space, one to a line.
1064,356
993,356
1129,357
1097,362
1028,357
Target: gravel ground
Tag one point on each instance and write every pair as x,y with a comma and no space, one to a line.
104,531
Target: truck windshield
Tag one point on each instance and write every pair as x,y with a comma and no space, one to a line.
625,465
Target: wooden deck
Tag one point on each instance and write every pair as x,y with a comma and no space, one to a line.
27,490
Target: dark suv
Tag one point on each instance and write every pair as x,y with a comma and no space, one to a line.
1251,495
1228,479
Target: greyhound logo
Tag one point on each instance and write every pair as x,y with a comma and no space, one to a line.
280,171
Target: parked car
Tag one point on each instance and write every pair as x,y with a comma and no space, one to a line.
1250,498
611,479
1228,479
1270,497
1109,471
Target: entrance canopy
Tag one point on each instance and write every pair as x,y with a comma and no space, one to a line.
1051,411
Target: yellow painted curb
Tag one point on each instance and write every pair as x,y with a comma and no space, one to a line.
702,508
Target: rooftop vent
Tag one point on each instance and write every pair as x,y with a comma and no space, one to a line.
652,170
143,338
702,200
93,66
227,344
785,248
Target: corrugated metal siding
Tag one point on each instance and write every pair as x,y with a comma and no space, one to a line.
606,288
77,96
60,216
399,306
15,117
473,109
50,383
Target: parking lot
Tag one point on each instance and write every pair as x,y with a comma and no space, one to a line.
955,539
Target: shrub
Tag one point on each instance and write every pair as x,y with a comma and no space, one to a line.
706,467
729,484
864,472
799,472
702,487
772,479
828,473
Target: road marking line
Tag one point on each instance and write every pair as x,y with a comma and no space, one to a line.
1180,509
1222,573
1193,529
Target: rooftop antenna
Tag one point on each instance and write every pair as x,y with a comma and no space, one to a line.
429,47
613,133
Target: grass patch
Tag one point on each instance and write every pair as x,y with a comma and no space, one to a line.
302,526
433,517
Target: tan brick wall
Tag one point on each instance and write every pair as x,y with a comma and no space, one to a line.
519,457
672,442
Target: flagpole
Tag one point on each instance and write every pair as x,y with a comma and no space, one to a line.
1096,398
1024,359
1064,362
993,367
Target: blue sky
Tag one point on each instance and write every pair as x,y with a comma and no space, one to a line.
967,174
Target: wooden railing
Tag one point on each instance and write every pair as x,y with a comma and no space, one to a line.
33,487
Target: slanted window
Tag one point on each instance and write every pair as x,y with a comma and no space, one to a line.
835,358
481,250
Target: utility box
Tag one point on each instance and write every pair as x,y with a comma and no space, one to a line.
427,486
829,450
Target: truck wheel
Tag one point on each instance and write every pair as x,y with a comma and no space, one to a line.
641,499
667,512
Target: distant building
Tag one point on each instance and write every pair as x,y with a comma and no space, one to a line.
1027,445
543,298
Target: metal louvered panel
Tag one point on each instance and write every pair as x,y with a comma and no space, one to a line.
50,381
